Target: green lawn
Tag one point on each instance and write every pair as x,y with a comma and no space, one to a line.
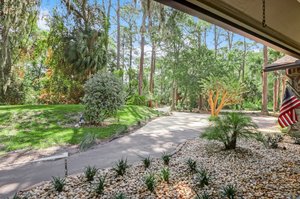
41,126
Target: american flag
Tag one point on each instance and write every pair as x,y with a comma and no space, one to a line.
287,115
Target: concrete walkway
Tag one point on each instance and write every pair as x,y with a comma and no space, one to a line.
160,135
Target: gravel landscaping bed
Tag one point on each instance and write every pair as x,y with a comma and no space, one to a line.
255,171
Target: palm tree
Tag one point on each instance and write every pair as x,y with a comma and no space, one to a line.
229,128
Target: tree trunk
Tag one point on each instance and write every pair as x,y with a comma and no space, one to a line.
265,84
141,68
106,30
232,142
199,38
173,105
215,40
230,39
283,88
118,36
152,70
130,56
123,57
204,37
275,92
200,105
244,59
153,58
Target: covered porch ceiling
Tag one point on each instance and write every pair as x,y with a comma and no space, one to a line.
282,19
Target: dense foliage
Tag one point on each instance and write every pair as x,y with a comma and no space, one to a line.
103,97
167,57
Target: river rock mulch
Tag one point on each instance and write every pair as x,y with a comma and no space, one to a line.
256,172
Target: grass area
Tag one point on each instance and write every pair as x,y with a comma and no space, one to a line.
42,126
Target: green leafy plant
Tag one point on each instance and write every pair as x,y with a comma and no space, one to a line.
120,196
229,191
192,165
203,196
166,158
202,178
99,189
270,141
165,174
229,128
87,141
137,99
58,183
90,173
150,182
121,167
103,97
147,162
16,196
212,118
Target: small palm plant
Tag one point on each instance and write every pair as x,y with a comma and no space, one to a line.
229,128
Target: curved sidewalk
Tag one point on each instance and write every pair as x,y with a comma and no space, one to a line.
160,135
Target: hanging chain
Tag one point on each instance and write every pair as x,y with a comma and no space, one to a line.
264,13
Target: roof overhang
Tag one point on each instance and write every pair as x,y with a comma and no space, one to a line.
245,18
285,62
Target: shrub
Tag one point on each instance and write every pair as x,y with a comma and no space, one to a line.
165,174
103,97
202,196
58,183
137,100
90,173
87,141
192,165
229,192
150,182
147,162
99,189
270,141
212,118
166,158
16,196
120,196
202,178
229,128
121,167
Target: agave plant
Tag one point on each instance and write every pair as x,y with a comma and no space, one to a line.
147,162
150,182
166,158
229,191
121,167
192,165
58,183
90,173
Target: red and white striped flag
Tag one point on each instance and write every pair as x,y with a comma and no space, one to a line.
287,115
